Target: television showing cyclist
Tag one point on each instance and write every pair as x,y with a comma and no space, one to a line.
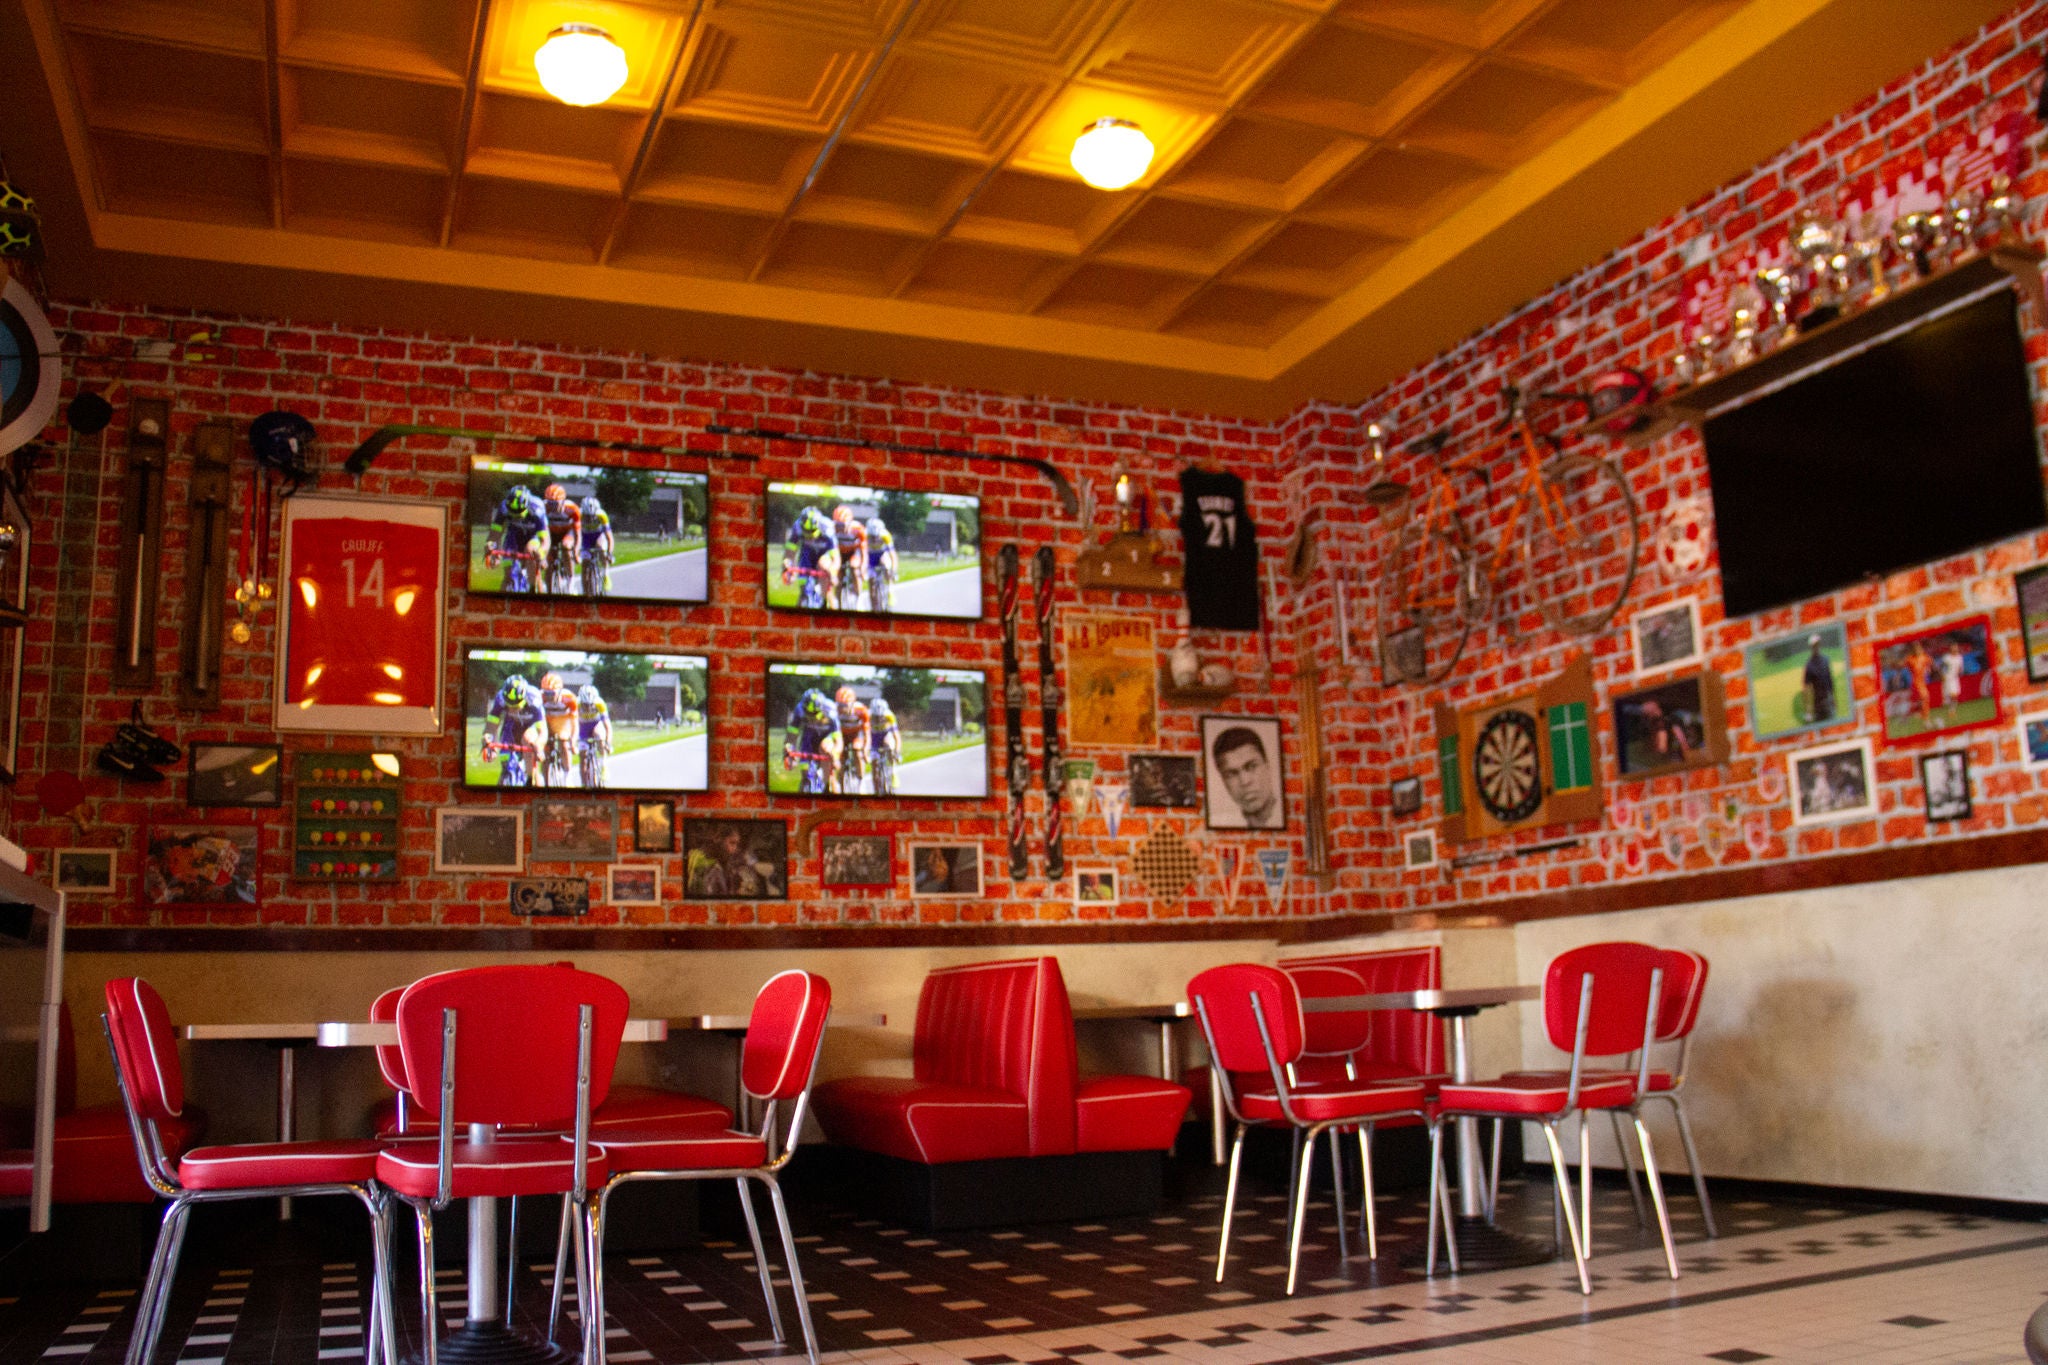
548,529
873,551
863,731
586,720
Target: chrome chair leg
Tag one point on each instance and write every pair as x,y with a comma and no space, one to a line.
593,1317
1656,1184
584,1268
796,1274
1571,1222
1337,1194
1493,1169
156,1293
1368,1217
1450,1227
1628,1166
1308,1162
511,1258
430,1312
561,1265
380,1262
1692,1161
1586,1181
1229,1203
760,1259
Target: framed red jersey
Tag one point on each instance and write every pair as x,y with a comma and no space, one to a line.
364,592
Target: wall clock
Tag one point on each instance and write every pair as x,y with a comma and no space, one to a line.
1521,761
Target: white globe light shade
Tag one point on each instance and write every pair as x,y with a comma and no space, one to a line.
1111,153
580,64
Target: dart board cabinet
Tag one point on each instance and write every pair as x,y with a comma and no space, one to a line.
346,816
1521,761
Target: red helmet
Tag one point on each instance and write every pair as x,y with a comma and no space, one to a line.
1618,399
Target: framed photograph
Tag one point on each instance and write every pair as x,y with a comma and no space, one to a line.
2030,591
575,831
1095,886
1401,657
362,600
945,870
633,884
1671,726
1246,785
1164,780
84,871
200,866
1667,636
479,839
848,861
1419,849
1945,785
10,700
1112,680
2034,740
14,558
654,826
1832,782
555,897
1800,682
235,775
1935,682
1404,796
735,860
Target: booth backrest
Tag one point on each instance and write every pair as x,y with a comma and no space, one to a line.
1401,1041
1004,1026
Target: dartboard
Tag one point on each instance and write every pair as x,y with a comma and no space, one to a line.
1506,769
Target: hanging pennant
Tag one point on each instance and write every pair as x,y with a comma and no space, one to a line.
1274,866
1078,776
1230,866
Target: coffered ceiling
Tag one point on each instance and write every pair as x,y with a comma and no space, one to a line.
1341,188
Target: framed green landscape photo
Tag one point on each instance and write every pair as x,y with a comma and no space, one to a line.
1800,682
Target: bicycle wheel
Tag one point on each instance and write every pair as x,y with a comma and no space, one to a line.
1579,547
1429,627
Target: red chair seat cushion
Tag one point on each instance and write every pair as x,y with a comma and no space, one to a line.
17,1171
1659,1080
1128,1114
681,1147
1324,1103
256,1165
923,1121
1536,1095
93,1159
515,1165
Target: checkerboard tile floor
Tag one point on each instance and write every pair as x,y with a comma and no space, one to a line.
1788,1280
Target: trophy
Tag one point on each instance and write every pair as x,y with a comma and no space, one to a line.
1706,356
1817,241
1778,288
1911,234
1966,221
2003,211
1866,248
1745,318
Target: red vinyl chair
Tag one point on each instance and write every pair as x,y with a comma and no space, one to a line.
1332,1041
152,1085
777,1063
1598,1000
511,1048
1252,1019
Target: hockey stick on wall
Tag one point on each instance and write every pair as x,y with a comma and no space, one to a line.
1060,487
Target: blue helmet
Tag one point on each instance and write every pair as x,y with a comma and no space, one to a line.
515,690
811,524
815,706
524,500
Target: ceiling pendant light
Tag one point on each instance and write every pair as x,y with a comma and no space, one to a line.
1111,153
580,64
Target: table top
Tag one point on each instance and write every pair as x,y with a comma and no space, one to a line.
737,1023
362,1033
1178,1009
1464,998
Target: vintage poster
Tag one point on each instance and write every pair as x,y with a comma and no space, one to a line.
1112,681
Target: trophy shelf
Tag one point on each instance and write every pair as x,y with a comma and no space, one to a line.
2017,266
1195,694
1129,563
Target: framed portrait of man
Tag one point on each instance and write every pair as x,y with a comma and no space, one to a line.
1247,783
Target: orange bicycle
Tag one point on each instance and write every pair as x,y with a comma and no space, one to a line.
1568,531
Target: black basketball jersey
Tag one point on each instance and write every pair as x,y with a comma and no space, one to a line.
1221,550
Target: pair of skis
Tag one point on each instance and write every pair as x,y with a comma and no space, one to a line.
1018,765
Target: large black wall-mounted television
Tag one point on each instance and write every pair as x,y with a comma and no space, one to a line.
941,725
873,551
659,548
1919,448
655,706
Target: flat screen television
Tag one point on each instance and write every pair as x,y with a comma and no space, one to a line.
653,704
873,551
1919,448
659,548
941,724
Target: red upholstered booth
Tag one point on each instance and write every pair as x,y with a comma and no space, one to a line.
92,1160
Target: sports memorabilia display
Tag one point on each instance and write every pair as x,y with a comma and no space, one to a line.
1520,762
1220,548
1051,702
210,495
347,814
1015,766
142,529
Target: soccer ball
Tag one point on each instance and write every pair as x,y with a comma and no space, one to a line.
1681,542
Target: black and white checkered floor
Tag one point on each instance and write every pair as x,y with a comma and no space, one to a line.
1788,1280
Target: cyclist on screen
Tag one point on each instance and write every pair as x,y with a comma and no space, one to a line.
558,706
810,552
593,733
851,540
523,538
854,738
516,709
598,549
885,745
881,563
565,521
812,738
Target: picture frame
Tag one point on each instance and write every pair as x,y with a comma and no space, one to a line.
654,826
633,884
15,561
944,869
1165,781
1938,681
1945,785
202,867
1800,682
1418,849
1671,726
1832,782
549,897
2030,594
1096,885
362,591
735,860
1404,796
479,839
575,831
1667,636
2033,730
1401,657
1250,768
84,871
1112,680
234,775
12,639
850,860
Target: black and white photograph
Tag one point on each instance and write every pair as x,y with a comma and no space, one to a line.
235,775
1832,782
851,861
1419,849
735,860
1404,796
945,870
633,884
1095,886
654,826
85,871
558,897
1245,785
575,831
1945,784
467,840
1167,781
1667,636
